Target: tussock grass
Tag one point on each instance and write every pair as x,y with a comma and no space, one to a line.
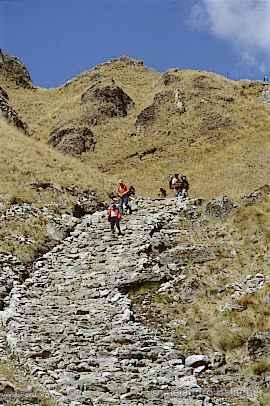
24,160
20,380
33,229
226,338
230,160
264,399
261,367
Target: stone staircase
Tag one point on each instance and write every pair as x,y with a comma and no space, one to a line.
71,322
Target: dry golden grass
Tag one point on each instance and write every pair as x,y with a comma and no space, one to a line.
231,160
264,399
24,160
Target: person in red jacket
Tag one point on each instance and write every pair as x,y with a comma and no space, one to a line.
123,193
114,217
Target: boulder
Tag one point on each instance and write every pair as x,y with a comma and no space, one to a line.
86,205
59,228
195,361
73,140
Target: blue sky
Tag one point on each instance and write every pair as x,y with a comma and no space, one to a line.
58,39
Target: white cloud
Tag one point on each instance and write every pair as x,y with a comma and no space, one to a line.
245,23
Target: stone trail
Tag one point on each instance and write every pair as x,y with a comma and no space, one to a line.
71,322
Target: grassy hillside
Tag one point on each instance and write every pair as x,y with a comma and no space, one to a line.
24,161
221,141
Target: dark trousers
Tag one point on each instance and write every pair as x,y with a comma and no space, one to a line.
124,202
115,222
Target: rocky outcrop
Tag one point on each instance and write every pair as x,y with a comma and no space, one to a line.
10,114
212,120
12,69
220,207
257,196
146,117
85,201
59,228
12,274
107,101
3,93
73,140
259,345
172,101
168,78
73,326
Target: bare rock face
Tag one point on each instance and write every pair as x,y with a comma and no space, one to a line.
11,68
73,140
107,101
10,114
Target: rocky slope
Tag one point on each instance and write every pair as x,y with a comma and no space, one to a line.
177,311
71,322
75,322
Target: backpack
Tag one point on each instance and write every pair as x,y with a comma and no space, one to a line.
185,184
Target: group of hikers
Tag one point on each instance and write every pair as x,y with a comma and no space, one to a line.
120,201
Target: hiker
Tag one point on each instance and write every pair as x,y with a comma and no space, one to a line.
131,191
184,187
162,192
123,193
114,217
175,184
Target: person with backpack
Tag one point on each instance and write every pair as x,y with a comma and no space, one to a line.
123,193
114,217
176,184
184,187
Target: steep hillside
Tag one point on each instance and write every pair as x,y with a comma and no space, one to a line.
146,125
36,182
176,312
122,119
